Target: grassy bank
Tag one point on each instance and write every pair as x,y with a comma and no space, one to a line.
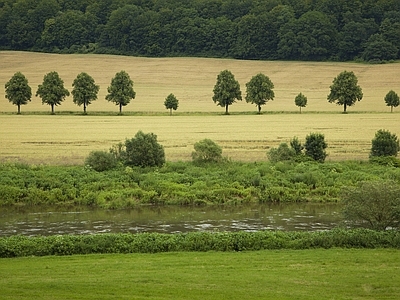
184,183
284,274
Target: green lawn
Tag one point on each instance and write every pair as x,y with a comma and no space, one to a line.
283,274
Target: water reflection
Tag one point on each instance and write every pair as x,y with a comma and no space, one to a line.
169,219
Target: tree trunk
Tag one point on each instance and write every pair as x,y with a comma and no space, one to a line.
345,108
300,109
259,109
120,109
170,111
84,108
226,109
19,109
52,109
391,109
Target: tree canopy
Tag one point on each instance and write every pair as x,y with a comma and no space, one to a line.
260,29
171,103
300,100
392,100
52,90
84,90
259,90
345,90
226,90
121,90
18,91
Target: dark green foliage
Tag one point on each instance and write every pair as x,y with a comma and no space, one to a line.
206,151
19,246
392,100
374,204
18,91
296,145
171,103
282,153
144,151
259,90
84,90
315,146
385,144
52,90
345,90
101,161
226,90
121,90
377,49
300,101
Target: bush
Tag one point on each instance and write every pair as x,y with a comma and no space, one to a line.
282,153
101,161
144,151
384,144
373,204
207,151
315,146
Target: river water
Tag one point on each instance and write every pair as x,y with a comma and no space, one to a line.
169,219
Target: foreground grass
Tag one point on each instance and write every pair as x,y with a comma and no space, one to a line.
283,274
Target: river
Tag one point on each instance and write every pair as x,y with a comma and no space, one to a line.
168,219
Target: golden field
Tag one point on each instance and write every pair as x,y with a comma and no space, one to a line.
67,139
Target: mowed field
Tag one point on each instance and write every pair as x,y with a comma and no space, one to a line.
67,139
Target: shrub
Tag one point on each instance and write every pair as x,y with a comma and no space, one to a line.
282,153
207,151
373,204
101,161
144,151
384,144
315,146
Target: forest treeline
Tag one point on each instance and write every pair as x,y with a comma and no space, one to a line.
337,30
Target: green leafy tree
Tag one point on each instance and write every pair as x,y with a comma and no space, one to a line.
121,90
374,204
52,90
84,90
171,103
226,90
345,90
385,144
315,146
282,153
101,161
392,100
296,145
18,92
378,49
206,151
300,101
259,90
144,151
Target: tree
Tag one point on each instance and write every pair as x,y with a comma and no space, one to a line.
300,101
315,146
384,144
206,151
171,103
375,205
144,151
226,90
18,92
392,100
101,161
121,90
282,153
345,90
85,90
378,49
259,90
52,90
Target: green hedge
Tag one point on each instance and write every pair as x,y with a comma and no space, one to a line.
17,246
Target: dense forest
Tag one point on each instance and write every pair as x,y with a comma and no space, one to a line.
337,30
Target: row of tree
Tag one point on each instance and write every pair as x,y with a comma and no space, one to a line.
246,29
259,90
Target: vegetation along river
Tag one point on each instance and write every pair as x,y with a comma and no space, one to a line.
169,219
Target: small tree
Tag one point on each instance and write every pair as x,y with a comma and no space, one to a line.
345,90
84,90
52,90
282,153
171,103
101,161
300,101
121,90
375,205
296,146
206,151
18,92
144,151
384,144
315,146
259,90
226,90
392,100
